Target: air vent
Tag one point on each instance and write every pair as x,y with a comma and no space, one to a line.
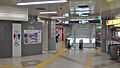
40,8
83,6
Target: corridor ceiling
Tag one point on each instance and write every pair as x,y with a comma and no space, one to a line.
96,6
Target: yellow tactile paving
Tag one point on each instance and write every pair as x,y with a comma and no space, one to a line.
53,57
44,62
6,66
59,48
87,62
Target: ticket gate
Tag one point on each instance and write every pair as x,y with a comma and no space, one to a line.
114,51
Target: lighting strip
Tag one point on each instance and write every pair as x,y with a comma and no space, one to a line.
57,17
41,2
52,12
117,25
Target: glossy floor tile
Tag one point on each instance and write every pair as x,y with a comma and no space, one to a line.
69,59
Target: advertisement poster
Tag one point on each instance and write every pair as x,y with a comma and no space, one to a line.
32,36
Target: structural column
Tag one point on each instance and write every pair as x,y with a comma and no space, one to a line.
103,36
52,35
45,35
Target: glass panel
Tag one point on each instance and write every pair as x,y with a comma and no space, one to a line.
85,40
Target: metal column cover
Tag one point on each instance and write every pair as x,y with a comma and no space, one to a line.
103,37
52,35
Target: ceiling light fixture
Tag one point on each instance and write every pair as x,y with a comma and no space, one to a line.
84,15
41,2
118,25
52,12
57,17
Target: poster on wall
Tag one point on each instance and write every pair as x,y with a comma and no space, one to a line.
32,36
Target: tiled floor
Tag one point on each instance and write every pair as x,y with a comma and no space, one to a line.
100,60
73,59
69,59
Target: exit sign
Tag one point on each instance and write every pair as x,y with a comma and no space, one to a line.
99,17
98,27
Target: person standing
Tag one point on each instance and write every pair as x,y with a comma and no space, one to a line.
68,43
81,44
57,36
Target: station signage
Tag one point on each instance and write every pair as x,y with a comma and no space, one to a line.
84,21
118,29
98,27
113,22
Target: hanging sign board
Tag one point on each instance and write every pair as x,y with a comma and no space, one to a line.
113,22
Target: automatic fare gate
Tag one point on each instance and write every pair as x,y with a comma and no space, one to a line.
114,51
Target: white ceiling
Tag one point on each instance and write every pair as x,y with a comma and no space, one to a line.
99,5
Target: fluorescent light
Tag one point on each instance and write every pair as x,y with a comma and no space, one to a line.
118,25
51,12
82,12
84,15
65,22
57,17
66,15
80,19
82,9
41,2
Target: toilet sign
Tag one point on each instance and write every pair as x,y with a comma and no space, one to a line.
16,40
16,37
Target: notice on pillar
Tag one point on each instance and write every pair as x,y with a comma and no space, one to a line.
32,36
16,40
